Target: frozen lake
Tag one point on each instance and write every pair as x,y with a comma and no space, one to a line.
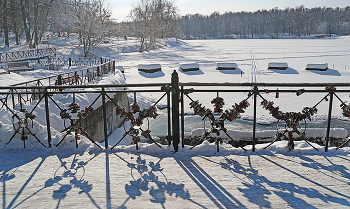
250,55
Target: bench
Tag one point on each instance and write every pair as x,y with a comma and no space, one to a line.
50,67
19,66
67,80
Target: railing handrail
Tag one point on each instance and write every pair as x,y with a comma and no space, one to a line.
175,91
180,84
88,86
75,71
25,54
268,84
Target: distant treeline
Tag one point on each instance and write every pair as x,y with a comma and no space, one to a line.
273,23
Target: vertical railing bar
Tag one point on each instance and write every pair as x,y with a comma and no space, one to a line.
182,118
331,93
169,118
175,109
104,117
13,98
47,119
256,91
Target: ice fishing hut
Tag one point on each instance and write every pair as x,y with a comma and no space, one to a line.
149,68
189,66
322,67
226,66
278,65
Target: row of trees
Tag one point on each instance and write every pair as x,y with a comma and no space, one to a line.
89,19
297,21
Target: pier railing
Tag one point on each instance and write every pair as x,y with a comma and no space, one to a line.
178,94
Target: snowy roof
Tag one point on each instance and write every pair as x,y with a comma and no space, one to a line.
323,66
278,65
149,66
226,65
189,66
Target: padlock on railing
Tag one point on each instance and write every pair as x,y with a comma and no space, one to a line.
135,108
64,114
218,104
73,107
346,110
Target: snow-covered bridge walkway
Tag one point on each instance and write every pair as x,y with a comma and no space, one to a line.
69,179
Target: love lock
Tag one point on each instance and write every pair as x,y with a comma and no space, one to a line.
135,108
146,133
64,114
346,110
120,110
73,107
218,104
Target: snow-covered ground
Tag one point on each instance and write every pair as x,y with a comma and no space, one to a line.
66,177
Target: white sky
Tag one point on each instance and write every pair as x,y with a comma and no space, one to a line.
121,8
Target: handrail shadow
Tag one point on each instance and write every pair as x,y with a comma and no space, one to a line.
216,192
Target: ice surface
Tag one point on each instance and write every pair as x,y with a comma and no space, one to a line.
210,53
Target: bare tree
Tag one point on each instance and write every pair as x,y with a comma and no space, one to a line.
92,23
153,20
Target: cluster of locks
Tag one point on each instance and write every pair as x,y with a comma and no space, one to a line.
142,114
201,111
345,110
218,102
232,114
291,118
74,108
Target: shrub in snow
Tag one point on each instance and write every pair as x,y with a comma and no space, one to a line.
317,66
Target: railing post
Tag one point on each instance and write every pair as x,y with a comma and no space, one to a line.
101,60
70,62
182,118
13,99
331,93
113,66
169,137
47,118
255,92
104,117
175,110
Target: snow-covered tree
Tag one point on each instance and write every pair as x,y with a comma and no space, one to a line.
153,20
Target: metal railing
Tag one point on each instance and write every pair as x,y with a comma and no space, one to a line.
72,78
33,54
74,61
176,93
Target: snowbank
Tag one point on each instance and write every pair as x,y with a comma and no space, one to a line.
339,133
